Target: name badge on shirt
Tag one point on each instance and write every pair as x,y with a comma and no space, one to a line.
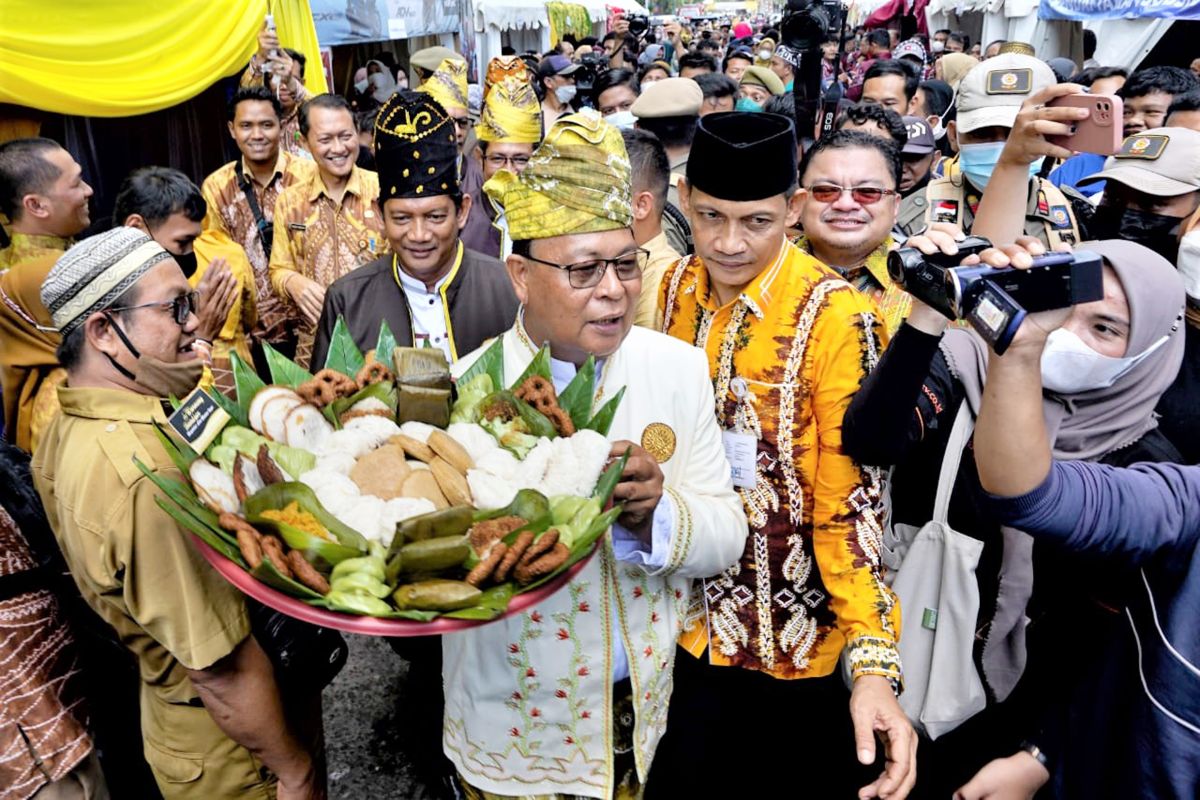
741,450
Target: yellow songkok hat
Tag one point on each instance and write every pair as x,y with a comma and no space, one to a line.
448,84
511,112
578,181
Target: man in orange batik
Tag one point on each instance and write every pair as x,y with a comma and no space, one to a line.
759,699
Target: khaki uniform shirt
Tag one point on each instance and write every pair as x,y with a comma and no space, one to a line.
662,256
322,239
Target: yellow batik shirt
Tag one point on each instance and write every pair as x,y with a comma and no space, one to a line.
872,279
322,239
229,212
786,357
27,246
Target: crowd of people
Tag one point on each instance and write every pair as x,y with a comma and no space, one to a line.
860,554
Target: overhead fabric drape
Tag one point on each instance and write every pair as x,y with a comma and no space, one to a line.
122,59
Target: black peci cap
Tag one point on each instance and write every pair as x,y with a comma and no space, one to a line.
740,156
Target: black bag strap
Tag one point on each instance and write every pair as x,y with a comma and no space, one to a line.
265,229
682,221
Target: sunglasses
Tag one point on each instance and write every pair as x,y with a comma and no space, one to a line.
180,307
586,274
863,195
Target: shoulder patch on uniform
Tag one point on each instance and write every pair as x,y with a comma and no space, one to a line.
121,445
1010,81
1060,217
1147,146
945,211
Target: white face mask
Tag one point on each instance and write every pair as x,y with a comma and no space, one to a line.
565,94
937,46
1189,264
764,55
361,86
621,119
1069,366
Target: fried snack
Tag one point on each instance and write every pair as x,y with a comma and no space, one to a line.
382,472
372,372
451,482
325,387
306,573
413,447
539,393
421,483
543,545
267,468
249,540
484,569
272,548
543,565
455,454
483,534
515,551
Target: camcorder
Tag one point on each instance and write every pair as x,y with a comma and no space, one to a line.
591,66
806,24
996,300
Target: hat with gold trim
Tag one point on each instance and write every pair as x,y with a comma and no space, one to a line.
416,148
511,112
991,93
448,85
1160,161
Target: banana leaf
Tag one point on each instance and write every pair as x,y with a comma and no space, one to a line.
180,453
185,499
200,529
527,504
278,495
231,408
419,616
321,553
491,362
246,380
423,404
423,367
539,366
609,479
604,417
344,355
284,371
491,605
272,577
386,343
576,398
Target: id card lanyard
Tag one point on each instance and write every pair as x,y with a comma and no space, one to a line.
741,445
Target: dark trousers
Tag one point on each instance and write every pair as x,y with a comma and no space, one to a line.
734,732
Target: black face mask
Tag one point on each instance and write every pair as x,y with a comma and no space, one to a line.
186,262
1154,231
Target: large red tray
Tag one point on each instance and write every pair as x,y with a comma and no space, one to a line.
374,626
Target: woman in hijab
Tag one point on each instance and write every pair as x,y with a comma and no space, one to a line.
953,66
381,83
1043,618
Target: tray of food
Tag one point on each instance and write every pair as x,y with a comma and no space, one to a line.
378,497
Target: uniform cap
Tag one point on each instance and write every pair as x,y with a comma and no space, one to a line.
920,137
670,97
991,93
431,57
764,77
1160,161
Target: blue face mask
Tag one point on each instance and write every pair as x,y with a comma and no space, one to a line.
746,104
977,161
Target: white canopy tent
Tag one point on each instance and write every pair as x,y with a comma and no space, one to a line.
528,25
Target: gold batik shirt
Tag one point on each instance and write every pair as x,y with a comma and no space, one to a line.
322,239
229,213
872,279
26,246
786,356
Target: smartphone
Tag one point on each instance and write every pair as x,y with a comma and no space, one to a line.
1101,132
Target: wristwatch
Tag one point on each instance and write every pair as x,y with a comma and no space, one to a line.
1037,753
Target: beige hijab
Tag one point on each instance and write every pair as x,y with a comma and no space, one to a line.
954,66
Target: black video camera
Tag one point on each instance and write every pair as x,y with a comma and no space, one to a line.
591,66
996,301
806,24
638,24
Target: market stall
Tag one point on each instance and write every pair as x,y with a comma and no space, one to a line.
537,24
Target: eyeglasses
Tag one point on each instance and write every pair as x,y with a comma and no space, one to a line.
586,274
180,307
498,161
461,122
863,195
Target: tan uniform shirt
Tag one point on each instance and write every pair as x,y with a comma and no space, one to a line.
662,255
322,239
140,572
